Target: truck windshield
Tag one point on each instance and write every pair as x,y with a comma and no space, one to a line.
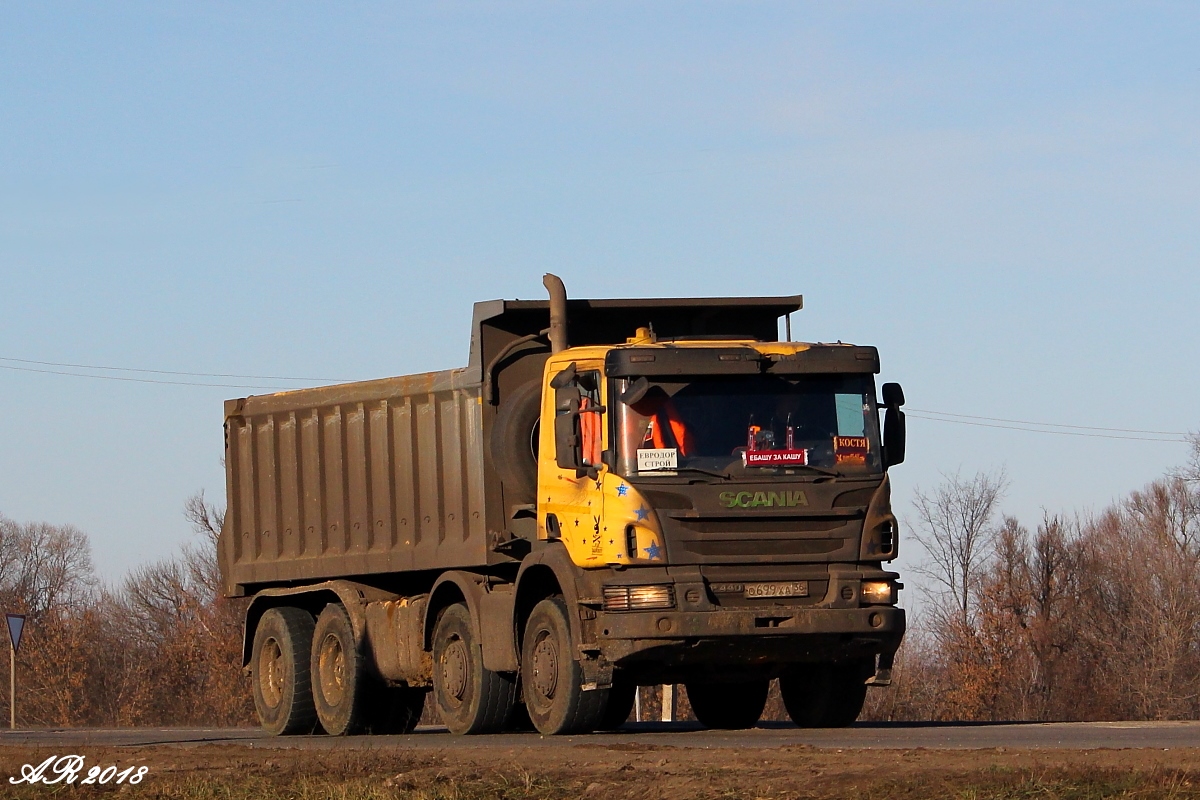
747,425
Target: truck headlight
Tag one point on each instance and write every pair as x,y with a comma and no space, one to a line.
638,598
878,593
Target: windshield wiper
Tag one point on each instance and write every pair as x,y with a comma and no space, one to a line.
831,472
721,475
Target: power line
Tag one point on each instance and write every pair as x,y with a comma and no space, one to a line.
142,380
1048,424
170,372
916,413
1042,430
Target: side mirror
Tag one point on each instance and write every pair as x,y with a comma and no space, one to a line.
893,436
893,395
568,450
636,391
564,378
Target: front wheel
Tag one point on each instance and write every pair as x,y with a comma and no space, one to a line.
728,706
552,678
621,699
825,695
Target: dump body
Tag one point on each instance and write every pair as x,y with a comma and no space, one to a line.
363,478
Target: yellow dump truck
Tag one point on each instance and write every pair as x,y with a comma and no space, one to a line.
612,493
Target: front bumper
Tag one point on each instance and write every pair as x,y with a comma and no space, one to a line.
767,638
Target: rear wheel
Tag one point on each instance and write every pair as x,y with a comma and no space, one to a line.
518,721
470,697
825,695
728,706
552,678
341,687
394,709
279,663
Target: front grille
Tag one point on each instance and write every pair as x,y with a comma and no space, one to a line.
753,525
667,500
761,538
762,547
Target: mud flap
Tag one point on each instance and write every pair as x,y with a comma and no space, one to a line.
883,670
597,672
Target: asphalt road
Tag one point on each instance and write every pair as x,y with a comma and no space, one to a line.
1044,736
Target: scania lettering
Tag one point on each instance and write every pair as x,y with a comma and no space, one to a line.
769,499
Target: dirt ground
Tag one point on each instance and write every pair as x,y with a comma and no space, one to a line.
626,771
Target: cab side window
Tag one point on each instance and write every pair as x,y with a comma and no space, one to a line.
578,427
589,420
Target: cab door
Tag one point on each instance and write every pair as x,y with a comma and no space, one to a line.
571,470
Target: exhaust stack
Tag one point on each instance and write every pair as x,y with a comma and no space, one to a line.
558,312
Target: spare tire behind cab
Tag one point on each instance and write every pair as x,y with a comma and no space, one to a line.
514,444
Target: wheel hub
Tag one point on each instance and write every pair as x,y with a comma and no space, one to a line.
545,667
271,673
454,669
332,665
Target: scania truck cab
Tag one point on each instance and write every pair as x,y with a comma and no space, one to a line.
729,507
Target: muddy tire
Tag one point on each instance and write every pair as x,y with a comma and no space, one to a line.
518,721
728,706
470,697
824,695
340,683
394,710
514,444
279,663
552,678
620,705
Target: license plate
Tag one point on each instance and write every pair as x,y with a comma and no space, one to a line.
791,589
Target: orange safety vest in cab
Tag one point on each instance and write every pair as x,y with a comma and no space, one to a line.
589,428
668,430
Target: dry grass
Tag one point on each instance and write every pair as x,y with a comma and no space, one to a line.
625,772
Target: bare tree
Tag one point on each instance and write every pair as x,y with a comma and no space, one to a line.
1150,558
207,520
46,573
182,657
44,567
1030,603
1190,472
205,517
955,528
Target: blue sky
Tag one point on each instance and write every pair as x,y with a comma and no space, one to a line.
1003,198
